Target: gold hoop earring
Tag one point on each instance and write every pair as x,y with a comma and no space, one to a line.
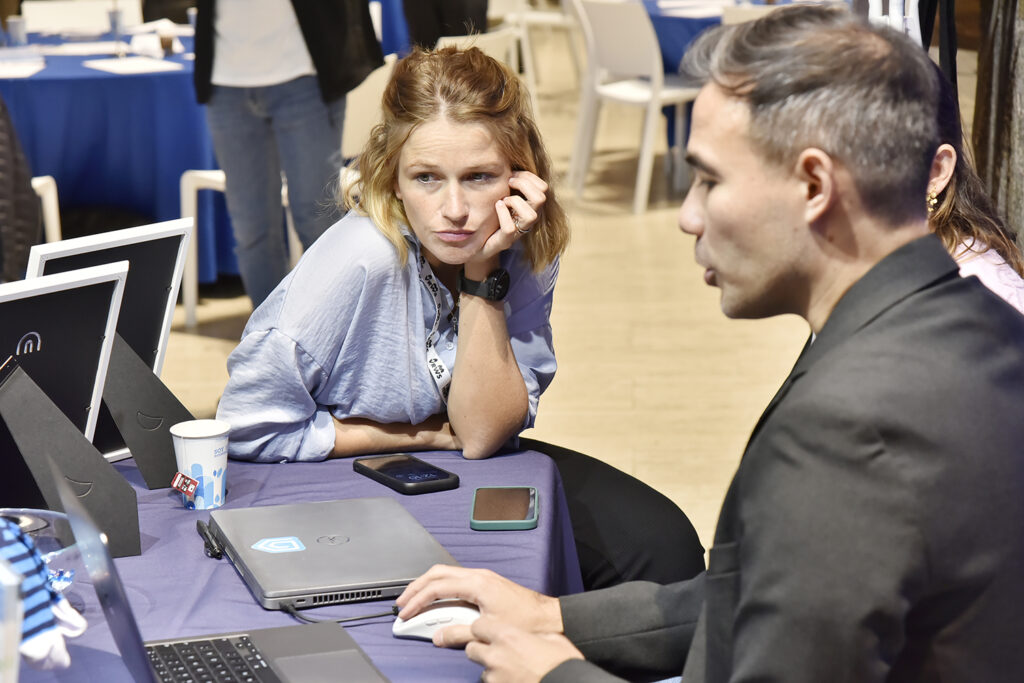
932,200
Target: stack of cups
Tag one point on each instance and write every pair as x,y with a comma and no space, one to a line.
201,451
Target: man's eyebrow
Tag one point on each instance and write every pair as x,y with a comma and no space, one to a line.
700,165
695,161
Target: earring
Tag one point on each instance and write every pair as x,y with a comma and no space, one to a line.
932,200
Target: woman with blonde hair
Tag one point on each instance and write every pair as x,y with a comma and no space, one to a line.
454,241
451,243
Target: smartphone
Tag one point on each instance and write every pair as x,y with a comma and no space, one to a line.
497,508
406,474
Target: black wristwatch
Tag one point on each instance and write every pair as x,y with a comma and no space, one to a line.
494,288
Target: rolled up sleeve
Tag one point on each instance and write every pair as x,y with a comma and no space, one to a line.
528,318
269,401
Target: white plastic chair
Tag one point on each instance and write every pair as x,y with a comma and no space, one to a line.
46,188
191,182
362,108
511,15
362,112
80,16
625,66
523,15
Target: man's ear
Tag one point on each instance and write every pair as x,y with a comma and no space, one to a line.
943,165
816,172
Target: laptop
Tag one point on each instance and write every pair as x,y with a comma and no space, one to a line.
308,653
312,554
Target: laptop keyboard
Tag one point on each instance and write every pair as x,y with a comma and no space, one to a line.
210,661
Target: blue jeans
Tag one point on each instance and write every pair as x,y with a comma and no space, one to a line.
258,133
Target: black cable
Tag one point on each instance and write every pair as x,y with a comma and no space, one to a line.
290,609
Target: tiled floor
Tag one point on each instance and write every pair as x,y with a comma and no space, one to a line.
652,377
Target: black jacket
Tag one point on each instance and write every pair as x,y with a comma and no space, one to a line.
873,530
339,36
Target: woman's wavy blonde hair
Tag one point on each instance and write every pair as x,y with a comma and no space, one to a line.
465,86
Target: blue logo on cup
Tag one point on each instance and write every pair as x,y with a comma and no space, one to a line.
210,491
280,544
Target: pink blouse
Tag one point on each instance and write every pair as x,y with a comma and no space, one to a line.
993,271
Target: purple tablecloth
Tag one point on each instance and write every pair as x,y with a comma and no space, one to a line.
175,590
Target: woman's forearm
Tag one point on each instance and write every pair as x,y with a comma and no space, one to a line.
358,436
488,400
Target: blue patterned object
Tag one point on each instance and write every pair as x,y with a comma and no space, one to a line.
210,490
37,596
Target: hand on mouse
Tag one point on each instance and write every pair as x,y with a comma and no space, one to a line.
495,596
512,655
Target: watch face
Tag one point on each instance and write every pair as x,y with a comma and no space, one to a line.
499,282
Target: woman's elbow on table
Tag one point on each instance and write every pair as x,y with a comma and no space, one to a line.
479,442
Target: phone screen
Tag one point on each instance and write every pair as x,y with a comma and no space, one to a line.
405,468
504,503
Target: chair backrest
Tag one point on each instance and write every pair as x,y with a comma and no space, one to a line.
620,38
362,108
737,14
500,10
88,16
498,44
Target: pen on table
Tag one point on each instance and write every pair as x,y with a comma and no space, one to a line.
210,545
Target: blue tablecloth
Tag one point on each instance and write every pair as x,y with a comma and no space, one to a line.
176,591
675,33
121,141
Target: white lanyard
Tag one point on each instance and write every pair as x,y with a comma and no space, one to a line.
438,370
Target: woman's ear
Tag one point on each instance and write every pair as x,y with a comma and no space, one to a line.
943,165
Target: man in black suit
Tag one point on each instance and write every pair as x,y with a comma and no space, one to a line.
874,530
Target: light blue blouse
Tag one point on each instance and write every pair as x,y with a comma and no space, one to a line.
344,335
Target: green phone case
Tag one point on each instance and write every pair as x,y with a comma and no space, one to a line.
530,522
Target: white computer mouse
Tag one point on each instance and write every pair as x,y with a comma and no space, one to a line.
438,615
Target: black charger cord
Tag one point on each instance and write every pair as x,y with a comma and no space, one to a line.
290,609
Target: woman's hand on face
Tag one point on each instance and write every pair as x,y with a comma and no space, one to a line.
517,214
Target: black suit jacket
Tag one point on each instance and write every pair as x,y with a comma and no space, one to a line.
874,530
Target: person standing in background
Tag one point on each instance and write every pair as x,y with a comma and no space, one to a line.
274,74
428,20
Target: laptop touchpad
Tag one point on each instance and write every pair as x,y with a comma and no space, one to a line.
328,667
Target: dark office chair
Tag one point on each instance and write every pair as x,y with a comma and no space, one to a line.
20,215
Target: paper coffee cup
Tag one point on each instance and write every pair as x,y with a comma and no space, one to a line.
201,451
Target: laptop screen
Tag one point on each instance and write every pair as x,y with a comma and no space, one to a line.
107,583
